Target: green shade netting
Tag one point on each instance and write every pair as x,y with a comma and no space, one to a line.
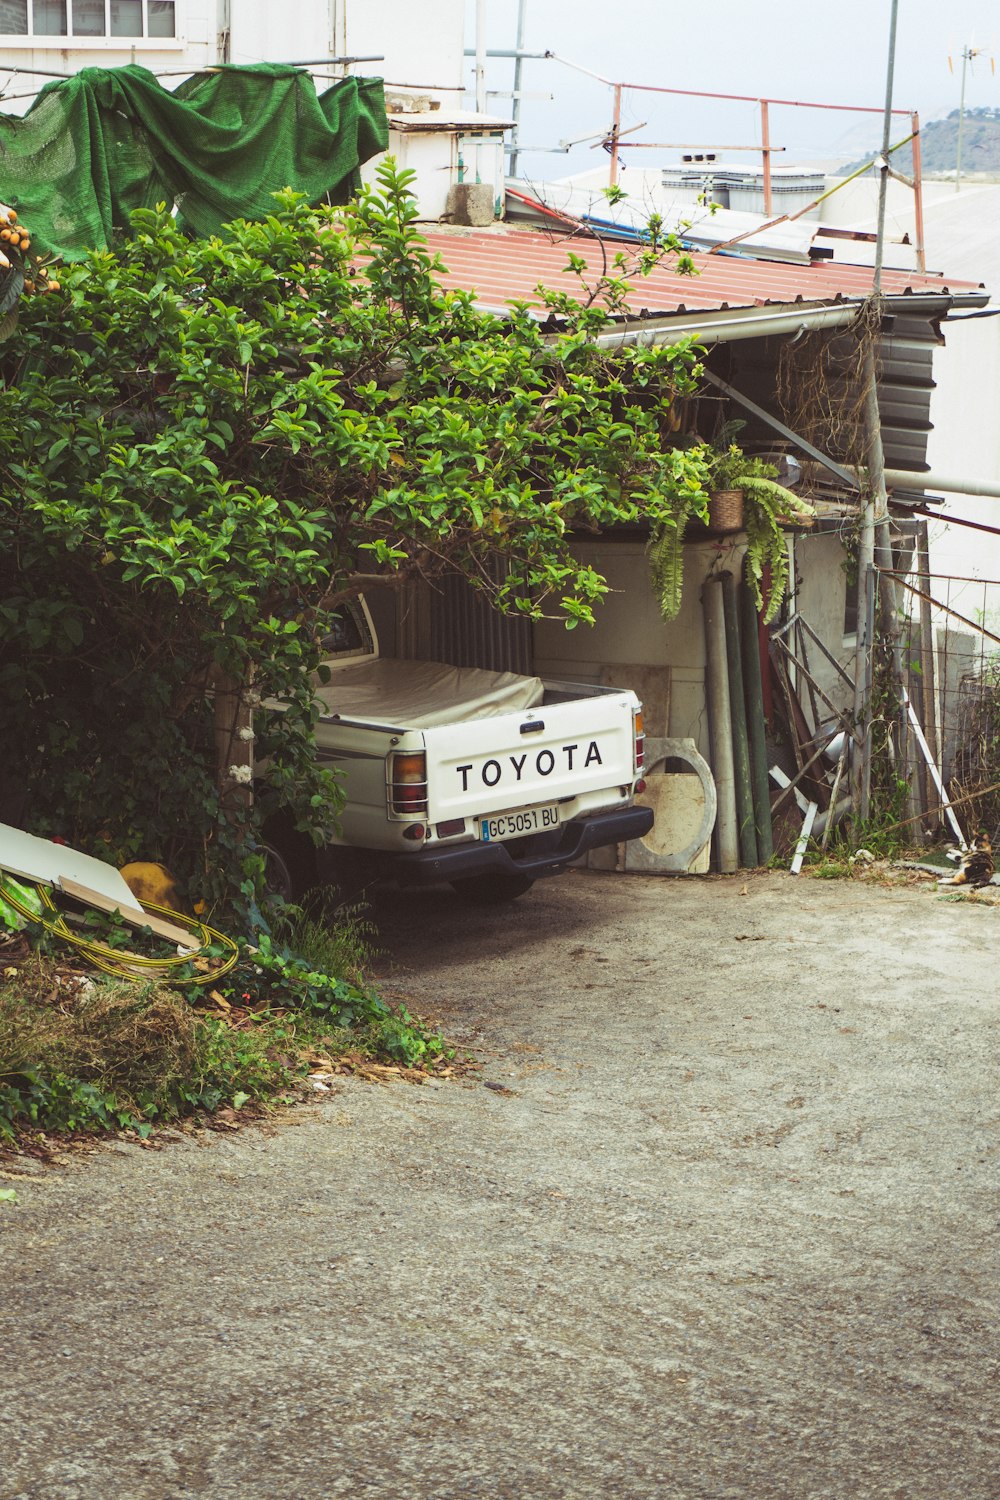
96,146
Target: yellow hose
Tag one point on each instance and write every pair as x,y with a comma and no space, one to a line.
135,966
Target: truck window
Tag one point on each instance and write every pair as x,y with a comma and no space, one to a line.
348,635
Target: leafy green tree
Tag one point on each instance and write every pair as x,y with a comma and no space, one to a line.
207,445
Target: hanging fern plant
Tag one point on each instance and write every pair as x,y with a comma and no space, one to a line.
665,547
666,564
768,508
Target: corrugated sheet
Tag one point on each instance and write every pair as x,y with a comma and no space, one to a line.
905,385
464,630
696,224
450,621
502,265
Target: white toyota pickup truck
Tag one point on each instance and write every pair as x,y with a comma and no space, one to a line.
487,780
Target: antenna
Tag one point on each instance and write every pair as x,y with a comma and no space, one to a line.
969,54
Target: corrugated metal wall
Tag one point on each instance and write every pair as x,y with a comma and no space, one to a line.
905,381
905,385
451,621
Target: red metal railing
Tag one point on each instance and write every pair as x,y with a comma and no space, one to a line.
615,143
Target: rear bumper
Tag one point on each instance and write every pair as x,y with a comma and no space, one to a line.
427,866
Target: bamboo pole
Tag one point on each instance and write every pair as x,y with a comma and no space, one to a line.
738,722
753,689
717,692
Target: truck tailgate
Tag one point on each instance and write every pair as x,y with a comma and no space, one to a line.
530,758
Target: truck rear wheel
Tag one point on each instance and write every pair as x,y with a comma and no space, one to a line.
289,859
492,890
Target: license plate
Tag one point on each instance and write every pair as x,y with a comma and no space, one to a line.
516,825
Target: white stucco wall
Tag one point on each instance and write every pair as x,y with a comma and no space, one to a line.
194,46
631,632
442,158
422,42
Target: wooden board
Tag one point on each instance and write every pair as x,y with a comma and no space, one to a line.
134,915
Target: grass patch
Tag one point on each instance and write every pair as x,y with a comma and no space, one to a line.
81,1052
829,869
339,940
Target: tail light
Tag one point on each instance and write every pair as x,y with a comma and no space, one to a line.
408,782
639,753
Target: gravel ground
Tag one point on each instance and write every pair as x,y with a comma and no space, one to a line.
724,1225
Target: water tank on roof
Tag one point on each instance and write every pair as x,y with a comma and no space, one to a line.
741,188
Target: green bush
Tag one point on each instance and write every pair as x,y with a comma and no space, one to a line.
209,444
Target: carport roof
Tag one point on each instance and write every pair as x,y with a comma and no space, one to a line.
502,265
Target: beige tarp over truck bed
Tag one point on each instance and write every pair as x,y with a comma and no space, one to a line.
423,694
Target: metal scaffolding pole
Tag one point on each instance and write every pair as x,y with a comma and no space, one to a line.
874,544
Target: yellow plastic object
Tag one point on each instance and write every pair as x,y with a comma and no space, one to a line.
153,883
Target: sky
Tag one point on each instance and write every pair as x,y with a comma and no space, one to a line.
834,53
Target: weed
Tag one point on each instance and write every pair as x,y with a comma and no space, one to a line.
119,1056
132,1043
342,941
829,869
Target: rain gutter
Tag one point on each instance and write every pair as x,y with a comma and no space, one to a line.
724,325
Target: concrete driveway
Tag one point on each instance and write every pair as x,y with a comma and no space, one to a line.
718,1218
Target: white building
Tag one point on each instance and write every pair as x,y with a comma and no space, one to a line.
415,45
415,42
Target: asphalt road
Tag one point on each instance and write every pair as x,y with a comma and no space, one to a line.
717,1218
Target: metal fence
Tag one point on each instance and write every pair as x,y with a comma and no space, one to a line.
951,735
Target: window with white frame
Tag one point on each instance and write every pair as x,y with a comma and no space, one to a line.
89,20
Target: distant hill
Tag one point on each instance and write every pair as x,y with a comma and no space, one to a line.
939,146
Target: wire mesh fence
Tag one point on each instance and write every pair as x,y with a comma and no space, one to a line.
951,670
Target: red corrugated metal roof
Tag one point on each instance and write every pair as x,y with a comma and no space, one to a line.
503,265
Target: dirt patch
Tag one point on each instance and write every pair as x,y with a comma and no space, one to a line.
716,1218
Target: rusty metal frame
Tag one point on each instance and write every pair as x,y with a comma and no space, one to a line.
849,480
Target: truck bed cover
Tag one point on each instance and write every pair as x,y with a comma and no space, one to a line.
423,694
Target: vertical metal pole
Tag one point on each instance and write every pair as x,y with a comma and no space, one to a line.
515,135
883,181
481,57
862,651
747,829
764,651
765,141
966,54
865,797
918,195
616,125
224,46
875,517
717,692
927,694
752,688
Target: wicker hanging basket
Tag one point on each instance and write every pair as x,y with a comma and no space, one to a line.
725,510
